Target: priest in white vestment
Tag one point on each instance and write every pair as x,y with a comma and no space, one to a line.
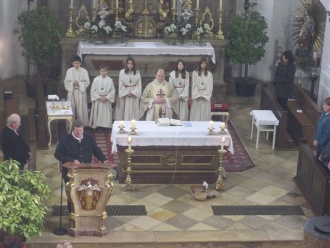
180,80
159,99
102,97
201,92
130,89
76,82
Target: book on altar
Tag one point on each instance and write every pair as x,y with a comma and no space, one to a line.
168,122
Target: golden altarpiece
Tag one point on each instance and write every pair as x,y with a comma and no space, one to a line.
145,21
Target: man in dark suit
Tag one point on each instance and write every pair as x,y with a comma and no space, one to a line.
12,144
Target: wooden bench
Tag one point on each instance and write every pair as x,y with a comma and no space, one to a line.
303,116
313,179
269,102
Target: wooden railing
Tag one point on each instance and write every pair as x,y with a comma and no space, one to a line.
41,115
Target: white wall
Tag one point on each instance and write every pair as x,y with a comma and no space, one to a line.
12,63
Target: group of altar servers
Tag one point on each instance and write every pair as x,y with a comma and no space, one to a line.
160,98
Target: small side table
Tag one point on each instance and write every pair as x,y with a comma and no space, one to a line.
265,121
58,113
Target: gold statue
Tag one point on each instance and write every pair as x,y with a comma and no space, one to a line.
306,35
163,11
129,12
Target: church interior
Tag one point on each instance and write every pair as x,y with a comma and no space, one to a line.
285,173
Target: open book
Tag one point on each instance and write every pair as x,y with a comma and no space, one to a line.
168,122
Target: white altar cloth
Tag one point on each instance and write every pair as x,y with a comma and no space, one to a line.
145,48
192,133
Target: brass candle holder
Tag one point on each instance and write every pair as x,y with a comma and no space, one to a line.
220,35
222,129
70,33
128,182
133,131
196,20
211,132
219,185
116,12
121,129
174,13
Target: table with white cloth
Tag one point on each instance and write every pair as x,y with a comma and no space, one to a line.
170,154
58,111
265,121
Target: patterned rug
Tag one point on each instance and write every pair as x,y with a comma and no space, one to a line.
240,161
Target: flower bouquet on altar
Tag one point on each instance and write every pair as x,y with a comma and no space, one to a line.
201,32
99,30
184,25
170,34
121,31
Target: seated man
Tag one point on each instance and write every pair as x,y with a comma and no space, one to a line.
159,99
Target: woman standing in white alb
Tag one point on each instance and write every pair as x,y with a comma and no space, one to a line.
76,82
102,96
180,80
201,92
129,92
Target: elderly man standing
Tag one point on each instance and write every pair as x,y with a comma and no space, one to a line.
12,144
159,99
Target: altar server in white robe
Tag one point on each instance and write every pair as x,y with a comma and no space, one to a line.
102,96
128,102
76,82
159,99
201,92
180,80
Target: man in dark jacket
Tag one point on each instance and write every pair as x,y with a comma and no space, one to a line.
12,144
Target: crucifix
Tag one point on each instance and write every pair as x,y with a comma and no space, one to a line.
161,94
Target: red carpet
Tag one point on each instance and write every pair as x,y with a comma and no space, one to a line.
240,161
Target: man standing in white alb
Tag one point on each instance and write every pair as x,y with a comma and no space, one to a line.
76,82
159,99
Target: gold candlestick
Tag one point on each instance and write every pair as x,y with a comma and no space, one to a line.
174,13
220,35
70,33
93,13
219,185
211,131
222,129
117,11
196,21
121,129
128,182
133,132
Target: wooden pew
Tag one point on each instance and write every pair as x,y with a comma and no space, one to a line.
302,124
269,102
313,179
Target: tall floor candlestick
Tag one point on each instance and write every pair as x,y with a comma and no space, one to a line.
219,185
128,186
220,35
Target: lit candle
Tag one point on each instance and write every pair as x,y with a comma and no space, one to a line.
133,123
211,124
280,42
220,5
197,4
71,4
94,4
129,141
121,125
223,139
174,4
116,3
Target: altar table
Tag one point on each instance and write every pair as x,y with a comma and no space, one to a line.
58,113
170,154
145,48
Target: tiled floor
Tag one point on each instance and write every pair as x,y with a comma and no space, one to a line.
175,217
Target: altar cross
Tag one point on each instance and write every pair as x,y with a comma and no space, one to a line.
161,94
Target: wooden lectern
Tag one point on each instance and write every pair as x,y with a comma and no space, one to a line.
88,190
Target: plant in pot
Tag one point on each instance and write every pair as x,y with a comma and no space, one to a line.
39,32
23,198
247,34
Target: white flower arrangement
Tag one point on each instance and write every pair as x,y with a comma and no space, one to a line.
120,27
171,29
201,31
99,27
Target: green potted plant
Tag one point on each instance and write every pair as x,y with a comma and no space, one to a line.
39,33
247,34
22,201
